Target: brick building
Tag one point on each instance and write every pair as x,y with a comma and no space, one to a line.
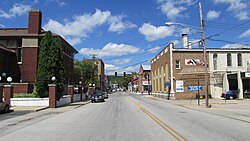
144,82
184,69
22,46
101,75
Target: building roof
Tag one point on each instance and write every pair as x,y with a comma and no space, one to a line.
23,32
6,49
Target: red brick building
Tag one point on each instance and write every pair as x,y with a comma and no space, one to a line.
19,53
144,82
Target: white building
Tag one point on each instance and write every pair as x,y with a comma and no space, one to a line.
229,69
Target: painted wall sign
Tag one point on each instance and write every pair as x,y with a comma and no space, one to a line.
192,61
179,86
194,88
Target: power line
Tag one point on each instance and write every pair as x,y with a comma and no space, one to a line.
130,65
226,41
233,27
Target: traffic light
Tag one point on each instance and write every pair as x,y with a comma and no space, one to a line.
124,74
115,74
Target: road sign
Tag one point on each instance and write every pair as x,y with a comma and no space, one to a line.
167,84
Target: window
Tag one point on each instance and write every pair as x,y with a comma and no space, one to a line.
229,59
215,57
239,57
177,64
19,54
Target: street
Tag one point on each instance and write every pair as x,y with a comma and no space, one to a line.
127,117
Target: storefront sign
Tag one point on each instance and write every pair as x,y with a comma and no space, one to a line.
247,74
146,83
194,88
179,86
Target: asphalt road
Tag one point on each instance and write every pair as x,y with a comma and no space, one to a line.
12,114
130,117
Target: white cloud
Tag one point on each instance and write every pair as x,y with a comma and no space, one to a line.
121,61
117,25
212,14
173,8
237,7
153,33
237,45
1,25
154,49
16,10
245,34
111,49
74,41
84,24
176,42
81,26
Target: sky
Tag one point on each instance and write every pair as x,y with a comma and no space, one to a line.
127,33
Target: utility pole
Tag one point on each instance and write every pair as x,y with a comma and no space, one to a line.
204,54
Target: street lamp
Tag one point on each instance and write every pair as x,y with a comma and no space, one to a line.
203,43
9,79
183,25
53,78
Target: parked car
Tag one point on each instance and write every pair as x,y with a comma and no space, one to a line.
4,107
97,96
231,94
247,93
105,94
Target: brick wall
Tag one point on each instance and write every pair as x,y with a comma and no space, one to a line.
23,87
29,64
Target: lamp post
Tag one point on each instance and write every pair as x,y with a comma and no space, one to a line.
53,78
9,80
204,49
148,83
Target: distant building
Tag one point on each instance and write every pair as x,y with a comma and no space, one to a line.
144,81
184,69
101,75
21,46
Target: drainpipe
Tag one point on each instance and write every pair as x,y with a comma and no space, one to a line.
171,45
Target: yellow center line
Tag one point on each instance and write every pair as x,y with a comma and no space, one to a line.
171,131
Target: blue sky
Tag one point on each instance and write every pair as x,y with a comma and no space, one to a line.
127,32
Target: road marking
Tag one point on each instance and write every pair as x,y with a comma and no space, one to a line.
171,131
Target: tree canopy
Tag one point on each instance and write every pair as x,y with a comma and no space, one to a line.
50,63
85,71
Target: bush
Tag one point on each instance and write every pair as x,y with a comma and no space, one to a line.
24,95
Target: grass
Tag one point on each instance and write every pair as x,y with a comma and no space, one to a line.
24,95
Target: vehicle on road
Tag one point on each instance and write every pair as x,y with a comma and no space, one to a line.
231,94
4,107
105,94
97,97
247,93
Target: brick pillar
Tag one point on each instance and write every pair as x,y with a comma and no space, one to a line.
71,92
80,92
1,92
8,93
52,95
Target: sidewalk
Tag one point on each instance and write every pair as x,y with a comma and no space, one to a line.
37,108
234,109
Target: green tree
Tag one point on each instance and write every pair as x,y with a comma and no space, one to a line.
50,64
85,71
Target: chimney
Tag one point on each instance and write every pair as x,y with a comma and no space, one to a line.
35,21
190,45
184,41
